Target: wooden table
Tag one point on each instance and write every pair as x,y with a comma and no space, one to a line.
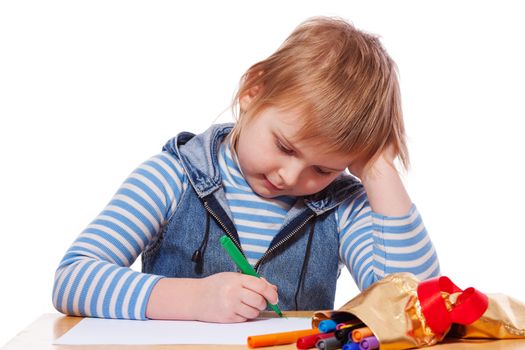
41,333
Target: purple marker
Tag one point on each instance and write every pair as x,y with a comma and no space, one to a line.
369,343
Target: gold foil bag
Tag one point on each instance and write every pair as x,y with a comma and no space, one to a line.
504,319
391,308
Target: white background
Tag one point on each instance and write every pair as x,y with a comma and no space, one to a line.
89,90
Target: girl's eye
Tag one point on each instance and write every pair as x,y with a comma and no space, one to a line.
321,171
282,148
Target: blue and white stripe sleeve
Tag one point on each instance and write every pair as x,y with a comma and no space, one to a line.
94,278
373,245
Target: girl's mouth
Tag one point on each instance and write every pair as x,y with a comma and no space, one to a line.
270,185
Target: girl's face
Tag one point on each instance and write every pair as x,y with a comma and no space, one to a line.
274,164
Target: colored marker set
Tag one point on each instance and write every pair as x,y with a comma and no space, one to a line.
406,313
328,336
345,335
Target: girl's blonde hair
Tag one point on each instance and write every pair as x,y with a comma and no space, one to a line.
342,81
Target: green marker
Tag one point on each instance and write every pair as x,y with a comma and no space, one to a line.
243,264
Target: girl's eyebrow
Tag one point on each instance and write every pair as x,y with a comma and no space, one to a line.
289,145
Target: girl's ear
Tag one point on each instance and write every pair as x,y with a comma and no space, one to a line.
248,97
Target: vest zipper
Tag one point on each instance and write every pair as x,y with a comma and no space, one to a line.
282,241
269,251
216,217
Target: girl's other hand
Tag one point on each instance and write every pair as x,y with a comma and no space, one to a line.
385,161
229,297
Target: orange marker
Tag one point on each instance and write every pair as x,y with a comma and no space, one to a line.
256,341
360,333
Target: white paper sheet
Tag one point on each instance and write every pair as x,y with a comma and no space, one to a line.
92,331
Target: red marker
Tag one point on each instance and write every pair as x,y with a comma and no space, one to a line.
309,341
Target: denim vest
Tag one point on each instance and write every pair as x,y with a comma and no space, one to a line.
302,259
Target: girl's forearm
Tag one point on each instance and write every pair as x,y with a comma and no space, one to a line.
173,299
385,190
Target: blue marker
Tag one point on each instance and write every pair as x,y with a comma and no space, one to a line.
351,346
327,326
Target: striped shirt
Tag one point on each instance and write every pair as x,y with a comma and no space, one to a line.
94,278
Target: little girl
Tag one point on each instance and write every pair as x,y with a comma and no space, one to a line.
324,105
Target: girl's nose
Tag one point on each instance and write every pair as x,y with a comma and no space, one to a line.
289,174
